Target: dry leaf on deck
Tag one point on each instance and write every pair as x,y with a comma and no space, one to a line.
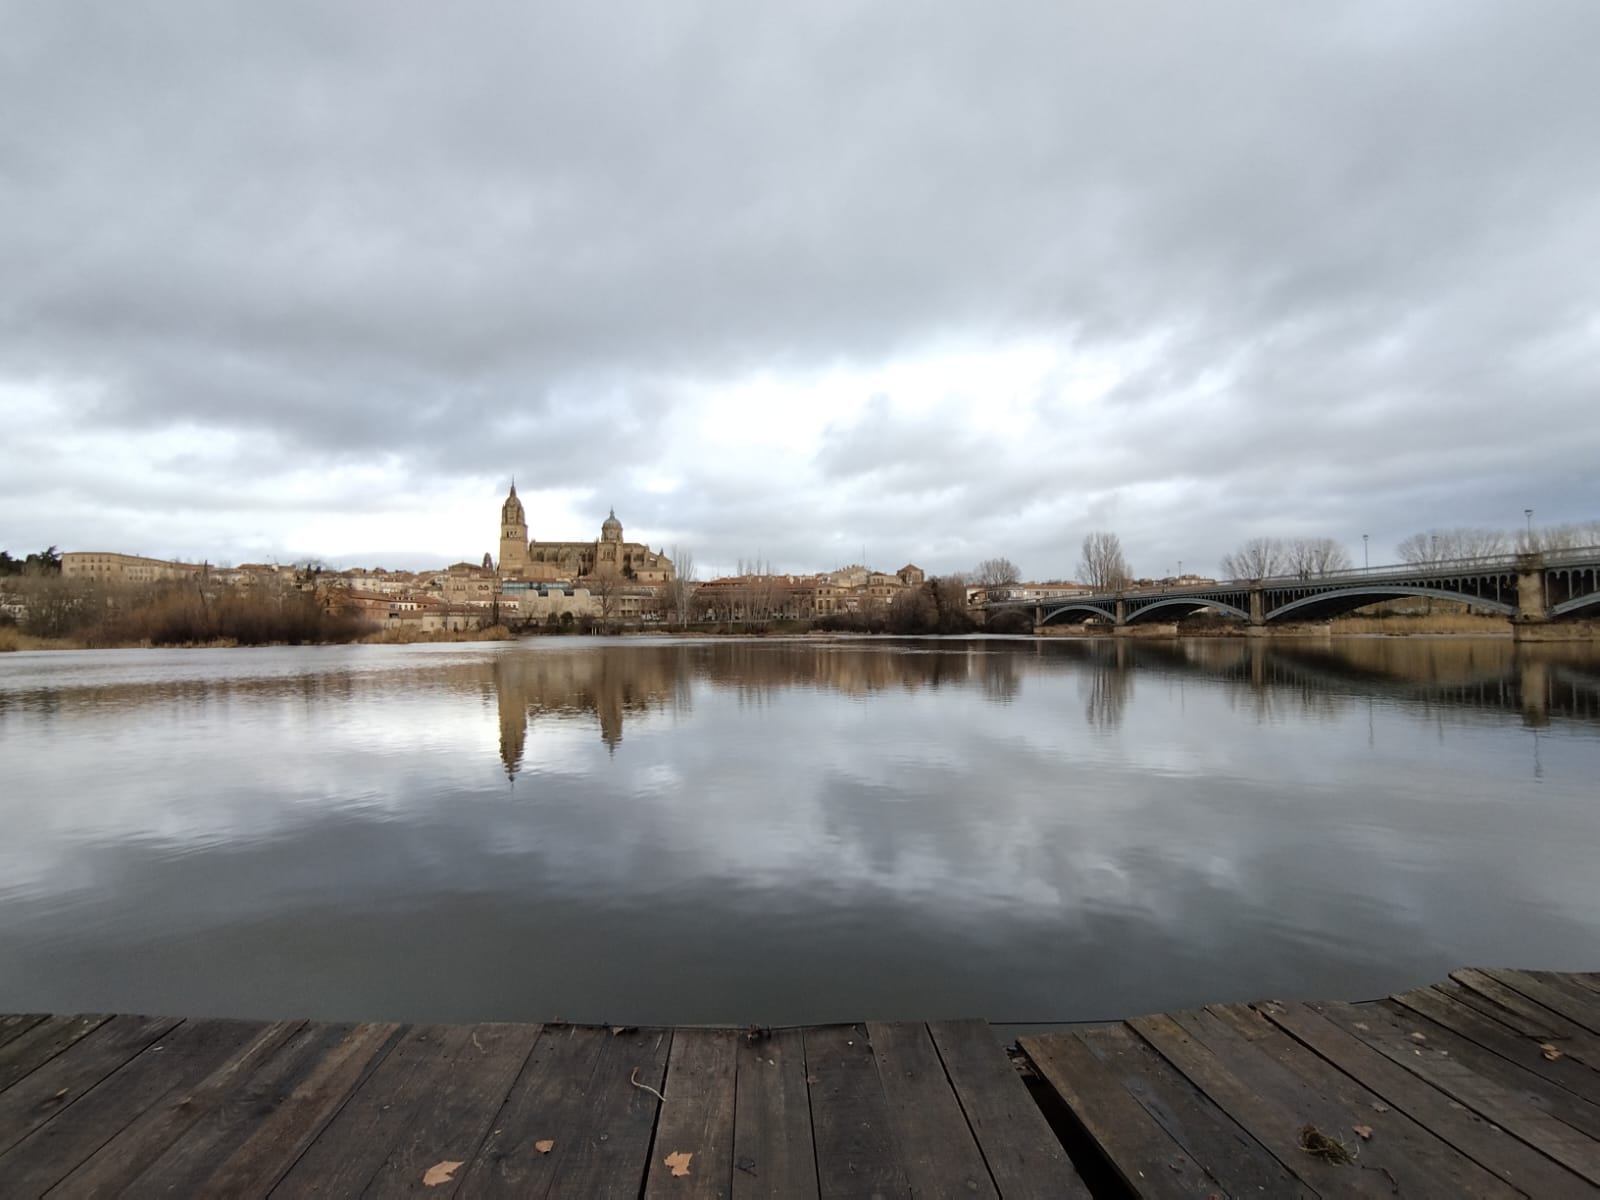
440,1172
678,1160
1419,1037
545,1146
1362,1131
1550,1052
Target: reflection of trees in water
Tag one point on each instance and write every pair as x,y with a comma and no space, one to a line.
1001,682
613,681
1108,684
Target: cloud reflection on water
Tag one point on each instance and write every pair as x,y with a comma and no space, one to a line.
788,830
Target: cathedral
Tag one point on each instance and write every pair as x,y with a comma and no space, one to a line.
550,561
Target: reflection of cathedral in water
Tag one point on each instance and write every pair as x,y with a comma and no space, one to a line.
610,682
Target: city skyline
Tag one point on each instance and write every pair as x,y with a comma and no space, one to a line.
815,286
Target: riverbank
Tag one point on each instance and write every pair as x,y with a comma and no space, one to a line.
1400,626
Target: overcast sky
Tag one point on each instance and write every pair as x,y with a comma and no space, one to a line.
930,281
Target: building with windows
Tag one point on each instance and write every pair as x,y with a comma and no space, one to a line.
608,555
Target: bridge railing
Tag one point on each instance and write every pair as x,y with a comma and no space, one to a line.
1485,562
1388,571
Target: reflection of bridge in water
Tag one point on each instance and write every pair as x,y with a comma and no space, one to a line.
1539,683
1533,590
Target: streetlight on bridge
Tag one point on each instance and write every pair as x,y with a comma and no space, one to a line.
1366,559
1528,512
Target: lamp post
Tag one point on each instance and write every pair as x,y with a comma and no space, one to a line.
1528,513
1366,559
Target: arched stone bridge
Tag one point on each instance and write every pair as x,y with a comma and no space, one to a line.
1531,589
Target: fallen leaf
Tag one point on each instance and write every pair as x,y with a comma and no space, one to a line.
440,1172
1380,1108
678,1160
1362,1131
619,1030
545,1146
1419,1037
1550,1052
1361,1025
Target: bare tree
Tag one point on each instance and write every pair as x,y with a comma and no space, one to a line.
1564,537
949,596
1259,558
606,591
1441,545
1102,566
997,572
1316,556
683,585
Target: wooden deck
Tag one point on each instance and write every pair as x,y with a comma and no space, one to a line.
140,1106
1485,1085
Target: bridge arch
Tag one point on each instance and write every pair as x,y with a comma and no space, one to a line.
1576,605
1079,606
1343,600
1189,605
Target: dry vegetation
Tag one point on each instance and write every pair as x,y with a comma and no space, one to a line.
68,613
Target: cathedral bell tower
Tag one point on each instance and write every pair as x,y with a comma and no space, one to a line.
513,535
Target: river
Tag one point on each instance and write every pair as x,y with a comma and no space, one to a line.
787,831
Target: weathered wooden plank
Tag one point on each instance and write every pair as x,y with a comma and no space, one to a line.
1525,1052
849,1116
611,1155
350,1149
1271,1109
459,1112
1147,1157
180,1058
16,1024
1506,1156
548,1103
234,1115
279,1137
1406,1152
772,1147
933,1142
38,1044
1559,1102
1505,1106
1527,1017
1239,1163
45,1092
1571,1000
1499,1003
1024,1155
112,1168
697,1118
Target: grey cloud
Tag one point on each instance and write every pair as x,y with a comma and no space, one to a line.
499,238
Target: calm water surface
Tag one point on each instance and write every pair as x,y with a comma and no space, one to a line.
789,831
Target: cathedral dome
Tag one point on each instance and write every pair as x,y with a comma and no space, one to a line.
611,528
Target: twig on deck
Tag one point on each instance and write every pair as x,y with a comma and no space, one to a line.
634,1079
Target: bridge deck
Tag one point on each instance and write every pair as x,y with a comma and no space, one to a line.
1488,1084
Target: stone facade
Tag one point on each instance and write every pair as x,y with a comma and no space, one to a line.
107,567
608,555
